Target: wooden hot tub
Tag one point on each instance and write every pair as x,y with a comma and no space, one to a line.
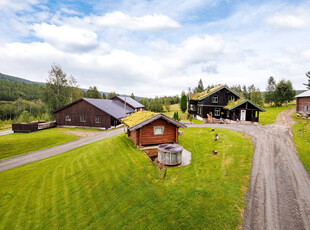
170,154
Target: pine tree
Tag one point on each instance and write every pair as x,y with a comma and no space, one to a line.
308,84
132,96
270,94
183,102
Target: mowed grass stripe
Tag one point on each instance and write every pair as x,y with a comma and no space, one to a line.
111,185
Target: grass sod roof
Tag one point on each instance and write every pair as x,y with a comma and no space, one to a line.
235,104
138,117
206,93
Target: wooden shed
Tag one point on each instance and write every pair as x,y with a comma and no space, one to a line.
148,128
303,103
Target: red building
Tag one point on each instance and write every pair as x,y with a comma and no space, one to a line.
303,103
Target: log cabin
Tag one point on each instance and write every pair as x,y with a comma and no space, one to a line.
148,128
222,102
88,112
303,103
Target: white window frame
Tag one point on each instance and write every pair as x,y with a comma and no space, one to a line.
162,128
68,117
215,99
227,113
98,119
81,118
217,112
231,98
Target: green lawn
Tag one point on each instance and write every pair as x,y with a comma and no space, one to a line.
271,113
182,116
19,143
111,184
301,131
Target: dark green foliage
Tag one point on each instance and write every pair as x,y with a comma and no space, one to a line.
156,104
245,92
17,79
132,96
59,89
183,105
93,92
308,84
199,88
284,92
176,116
12,90
269,95
111,95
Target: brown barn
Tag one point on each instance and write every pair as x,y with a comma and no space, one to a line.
303,103
87,112
148,128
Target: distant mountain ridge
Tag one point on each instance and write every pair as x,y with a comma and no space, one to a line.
18,79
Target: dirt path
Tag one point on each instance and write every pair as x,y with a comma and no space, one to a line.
6,132
279,193
45,153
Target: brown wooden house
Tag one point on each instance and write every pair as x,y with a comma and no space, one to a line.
148,128
88,112
222,102
303,103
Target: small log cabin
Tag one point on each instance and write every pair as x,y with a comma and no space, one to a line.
303,103
222,102
148,128
88,112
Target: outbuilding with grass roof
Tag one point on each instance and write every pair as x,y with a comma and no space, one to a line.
149,128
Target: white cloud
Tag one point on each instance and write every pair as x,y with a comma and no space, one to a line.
118,19
67,38
291,18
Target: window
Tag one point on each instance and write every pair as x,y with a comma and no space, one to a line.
217,112
231,98
215,99
82,118
192,107
228,113
68,118
158,130
98,120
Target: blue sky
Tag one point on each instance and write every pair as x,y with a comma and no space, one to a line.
157,47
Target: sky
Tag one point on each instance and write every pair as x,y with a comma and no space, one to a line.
156,48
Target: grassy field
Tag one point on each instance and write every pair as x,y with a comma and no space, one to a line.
112,185
182,116
19,143
301,131
271,113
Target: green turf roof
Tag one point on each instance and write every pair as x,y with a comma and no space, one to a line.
234,104
138,117
206,93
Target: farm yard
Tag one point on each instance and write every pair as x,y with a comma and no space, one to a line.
20,143
111,184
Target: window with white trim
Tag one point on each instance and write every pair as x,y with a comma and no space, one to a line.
228,113
231,98
215,99
68,118
158,130
98,120
82,119
217,112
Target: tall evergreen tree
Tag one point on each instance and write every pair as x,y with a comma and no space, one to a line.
183,102
111,95
132,96
270,94
308,84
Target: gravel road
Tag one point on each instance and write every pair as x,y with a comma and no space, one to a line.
6,132
279,193
44,153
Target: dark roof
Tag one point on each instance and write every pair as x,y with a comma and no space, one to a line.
304,94
150,120
131,102
112,107
207,93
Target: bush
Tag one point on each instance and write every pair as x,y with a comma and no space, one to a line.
176,116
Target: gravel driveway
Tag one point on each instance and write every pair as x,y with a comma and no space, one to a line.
279,193
44,153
